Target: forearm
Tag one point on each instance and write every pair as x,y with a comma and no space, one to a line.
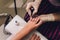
50,17
55,17
22,33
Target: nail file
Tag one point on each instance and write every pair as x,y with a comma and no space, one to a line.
32,9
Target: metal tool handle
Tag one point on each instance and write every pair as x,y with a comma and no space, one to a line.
32,9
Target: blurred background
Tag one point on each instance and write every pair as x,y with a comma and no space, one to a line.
7,6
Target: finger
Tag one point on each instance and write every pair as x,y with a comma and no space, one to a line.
39,23
28,8
35,11
36,19
29,12
30,18
33,19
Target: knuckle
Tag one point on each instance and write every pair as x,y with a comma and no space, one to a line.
26,9
35,11
29,3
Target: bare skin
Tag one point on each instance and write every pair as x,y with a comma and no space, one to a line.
35,5
31,25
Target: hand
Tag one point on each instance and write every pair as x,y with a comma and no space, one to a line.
35,37
33,22
35,5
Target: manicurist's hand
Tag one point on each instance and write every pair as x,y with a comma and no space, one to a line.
35,5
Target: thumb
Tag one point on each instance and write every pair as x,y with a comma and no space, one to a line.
35,11
28,8
39,23
29,12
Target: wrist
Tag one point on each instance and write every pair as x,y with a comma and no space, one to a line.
29,27
47,17
51,17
